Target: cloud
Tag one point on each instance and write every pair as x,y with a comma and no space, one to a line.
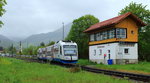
24,18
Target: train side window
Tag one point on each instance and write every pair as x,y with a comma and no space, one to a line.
60,51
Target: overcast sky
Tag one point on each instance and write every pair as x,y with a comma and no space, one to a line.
26,17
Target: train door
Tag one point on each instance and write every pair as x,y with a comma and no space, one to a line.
60,52
52,52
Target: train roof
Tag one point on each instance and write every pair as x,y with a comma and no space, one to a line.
61,42
65,41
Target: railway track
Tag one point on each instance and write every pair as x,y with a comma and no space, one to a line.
132,76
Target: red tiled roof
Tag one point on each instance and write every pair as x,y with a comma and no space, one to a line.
113,21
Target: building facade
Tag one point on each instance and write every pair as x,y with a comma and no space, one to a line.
115,39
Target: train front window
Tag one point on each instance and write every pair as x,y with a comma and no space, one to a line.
69,46
70,50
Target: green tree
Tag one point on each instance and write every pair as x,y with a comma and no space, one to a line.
144,32
25,51
31,50
51,43
42,44
2,10
76,33
11,50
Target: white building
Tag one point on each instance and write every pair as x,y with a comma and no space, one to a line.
115,40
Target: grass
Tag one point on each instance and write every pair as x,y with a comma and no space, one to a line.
18,71
141,67
85,62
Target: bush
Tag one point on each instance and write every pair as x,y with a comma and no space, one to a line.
74,69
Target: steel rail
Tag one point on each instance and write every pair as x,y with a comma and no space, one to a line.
138,77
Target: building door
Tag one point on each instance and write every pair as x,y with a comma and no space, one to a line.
109,54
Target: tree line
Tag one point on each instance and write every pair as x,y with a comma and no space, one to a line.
32,50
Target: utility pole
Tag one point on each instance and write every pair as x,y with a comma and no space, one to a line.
20,48
63,30
12,49
27,44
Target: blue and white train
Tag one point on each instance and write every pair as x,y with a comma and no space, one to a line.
62,51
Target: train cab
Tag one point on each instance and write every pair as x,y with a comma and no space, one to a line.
62,51
66,52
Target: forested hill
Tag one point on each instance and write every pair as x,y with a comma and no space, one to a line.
36,39
5,42
47,37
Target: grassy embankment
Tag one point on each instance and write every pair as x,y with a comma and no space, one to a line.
18,71
141,67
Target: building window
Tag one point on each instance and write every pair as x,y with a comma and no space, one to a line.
100,51
126,51
104,35
92,37
98,36
120,33
94,52
101,36
111,34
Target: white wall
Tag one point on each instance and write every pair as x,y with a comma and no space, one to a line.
104,47
116,52
133,52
